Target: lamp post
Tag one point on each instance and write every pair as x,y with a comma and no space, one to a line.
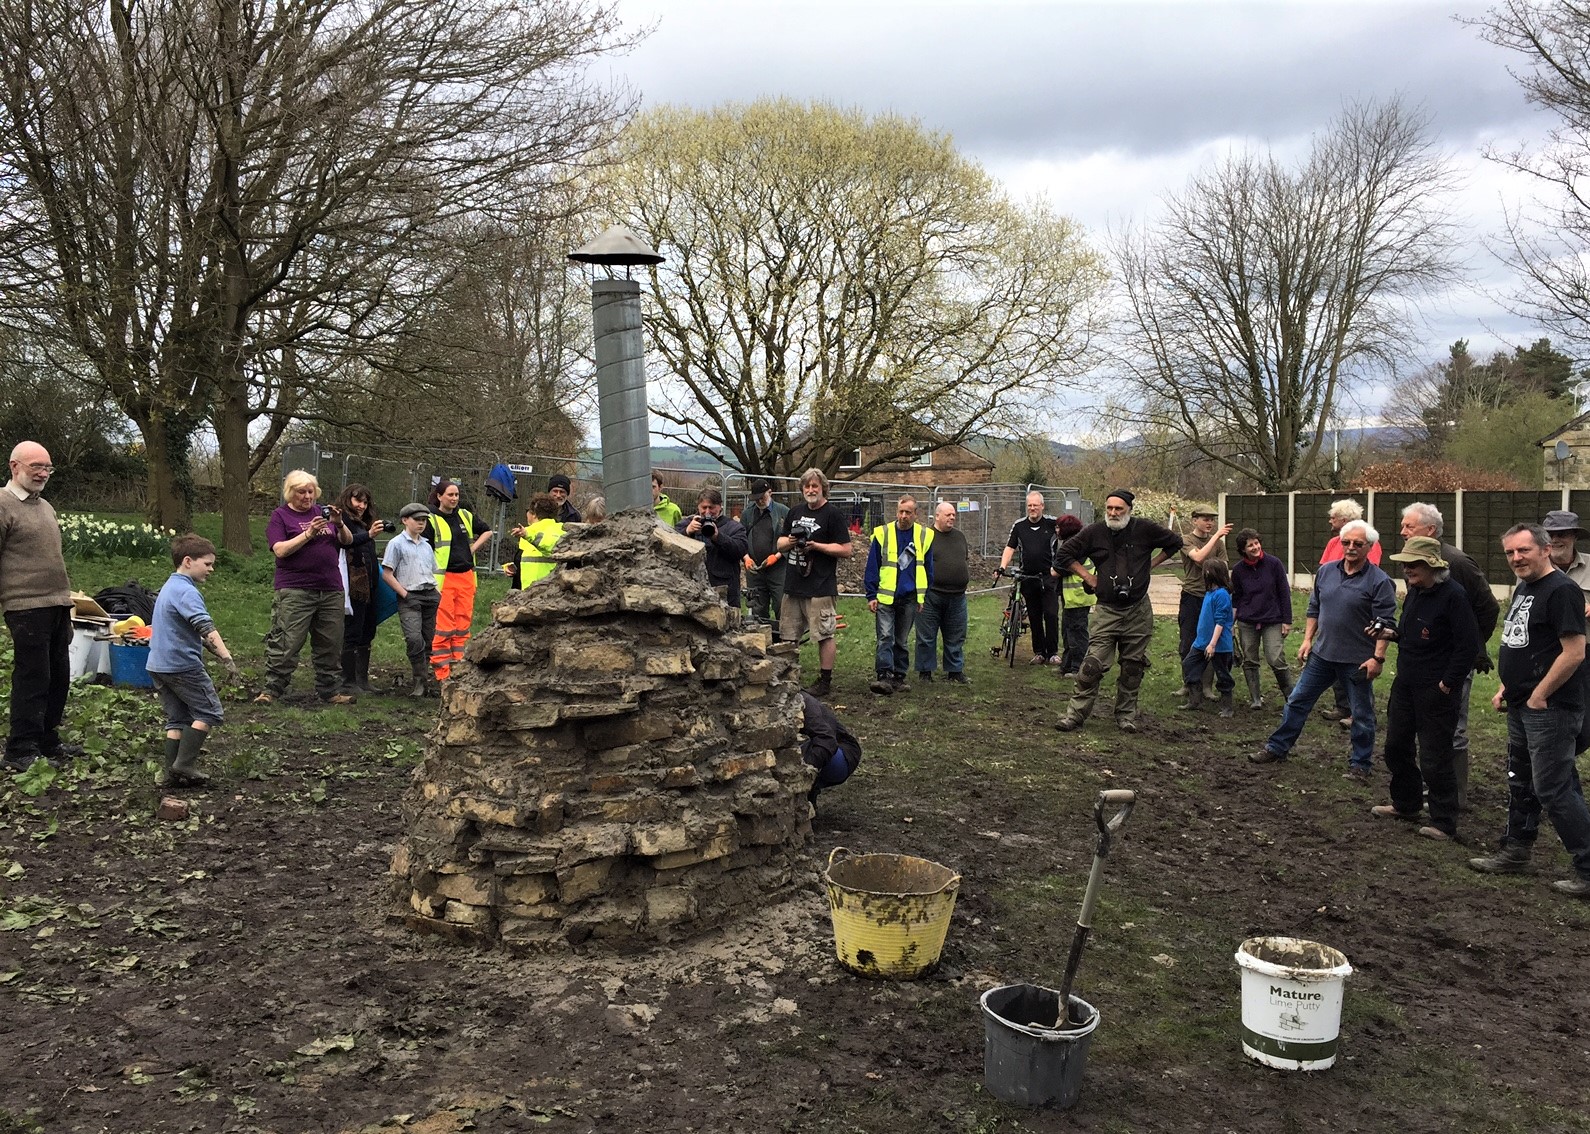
620,367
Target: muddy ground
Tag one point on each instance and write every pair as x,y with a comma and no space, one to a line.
239,971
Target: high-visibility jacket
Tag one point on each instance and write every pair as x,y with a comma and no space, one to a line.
442,539
538,539
1072,594
886,536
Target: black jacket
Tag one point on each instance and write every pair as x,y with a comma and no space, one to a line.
1120,559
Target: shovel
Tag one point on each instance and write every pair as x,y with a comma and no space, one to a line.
1125,800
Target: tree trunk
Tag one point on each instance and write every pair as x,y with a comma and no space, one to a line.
167,503
231,427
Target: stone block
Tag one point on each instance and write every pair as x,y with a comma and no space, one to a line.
647,600
653,839
530,934
494,647
480,810
577,883
680,776
540,713
638,808
765,670
682,551
668,905
711,849
461,731
400,861
635,728
428,906
599,656
599,840
463,913
717,667
674,662
753,640
597,707
529,889
474,888
733,767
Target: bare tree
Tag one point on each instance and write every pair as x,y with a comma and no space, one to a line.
1548,240
1263,293
215,203
835,282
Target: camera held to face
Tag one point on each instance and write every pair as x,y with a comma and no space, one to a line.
707,526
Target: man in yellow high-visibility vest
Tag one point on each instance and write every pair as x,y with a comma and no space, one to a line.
897,582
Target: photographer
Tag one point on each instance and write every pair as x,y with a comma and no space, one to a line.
816,536
305,537
1123,550
725,540
1437,642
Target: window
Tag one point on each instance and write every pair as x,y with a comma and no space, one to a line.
852,460
922,460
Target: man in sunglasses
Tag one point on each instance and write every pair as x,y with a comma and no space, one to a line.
1350,596
37,600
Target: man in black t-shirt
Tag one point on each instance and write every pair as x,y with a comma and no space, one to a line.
1543,643
815,537
1033,536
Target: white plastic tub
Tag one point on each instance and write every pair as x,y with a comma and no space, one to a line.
1291,1002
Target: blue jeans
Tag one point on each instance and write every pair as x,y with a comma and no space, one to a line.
1541,777
1319,675
894,621
942,614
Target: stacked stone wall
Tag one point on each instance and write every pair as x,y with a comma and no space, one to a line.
616,759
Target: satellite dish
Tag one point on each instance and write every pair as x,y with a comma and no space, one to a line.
1561,450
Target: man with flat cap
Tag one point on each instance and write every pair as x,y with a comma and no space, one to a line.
1437,641
1122,549
1206,542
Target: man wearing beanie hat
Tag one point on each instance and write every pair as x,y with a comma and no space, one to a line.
1122,549
558,487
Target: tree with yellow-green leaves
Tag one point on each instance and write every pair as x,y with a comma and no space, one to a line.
835,281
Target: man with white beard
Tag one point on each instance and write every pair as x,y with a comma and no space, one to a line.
1122,549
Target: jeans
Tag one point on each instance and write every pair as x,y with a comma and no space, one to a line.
42,643
1074,635
1421,722
894,621
1541,777
764,594
1319,675
941,614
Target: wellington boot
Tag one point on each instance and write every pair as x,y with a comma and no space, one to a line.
350,669
1255,699
362,669
1191,699
1225,705
418,688
185,768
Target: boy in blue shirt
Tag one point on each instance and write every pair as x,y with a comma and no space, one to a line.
1212,645
180,632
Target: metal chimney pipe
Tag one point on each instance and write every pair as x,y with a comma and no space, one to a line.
621,394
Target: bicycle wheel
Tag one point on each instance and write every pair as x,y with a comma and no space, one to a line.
1012,627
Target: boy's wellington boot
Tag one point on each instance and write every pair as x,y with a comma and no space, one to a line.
185,768
173,745
1225,704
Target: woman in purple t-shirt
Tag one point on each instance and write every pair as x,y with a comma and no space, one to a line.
305,538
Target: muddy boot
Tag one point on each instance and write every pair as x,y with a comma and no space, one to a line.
350,668
362,669
1209,691
1126,689
185,768
1510,858
1191,699
1283,678
173,746
417,689
1460,774
1226,709
1255,699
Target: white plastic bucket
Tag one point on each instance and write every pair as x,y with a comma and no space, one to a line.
1291,1002
87,656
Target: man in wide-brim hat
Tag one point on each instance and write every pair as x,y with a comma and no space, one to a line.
1437,641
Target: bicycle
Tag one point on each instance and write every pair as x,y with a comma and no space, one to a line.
1013,624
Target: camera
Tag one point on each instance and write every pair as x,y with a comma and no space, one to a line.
1379,626
708,526
800,536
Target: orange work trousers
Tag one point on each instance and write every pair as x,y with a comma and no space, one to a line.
453,616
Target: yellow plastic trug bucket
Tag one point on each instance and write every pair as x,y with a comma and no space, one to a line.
891,912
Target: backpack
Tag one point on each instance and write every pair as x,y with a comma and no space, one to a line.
132,598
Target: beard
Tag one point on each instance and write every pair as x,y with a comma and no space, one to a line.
1116,523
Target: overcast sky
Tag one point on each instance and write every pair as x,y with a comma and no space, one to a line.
1106,106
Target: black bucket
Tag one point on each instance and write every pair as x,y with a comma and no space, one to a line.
1026,1059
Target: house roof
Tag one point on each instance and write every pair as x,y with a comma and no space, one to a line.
1575,423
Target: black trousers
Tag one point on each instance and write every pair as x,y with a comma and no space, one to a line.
42,642
1420,723
1042,597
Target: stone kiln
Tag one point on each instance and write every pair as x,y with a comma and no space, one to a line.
615,759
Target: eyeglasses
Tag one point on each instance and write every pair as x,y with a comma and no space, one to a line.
41,468
1355,543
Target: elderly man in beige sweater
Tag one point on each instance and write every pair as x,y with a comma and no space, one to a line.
37,601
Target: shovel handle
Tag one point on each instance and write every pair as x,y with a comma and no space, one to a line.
1121,798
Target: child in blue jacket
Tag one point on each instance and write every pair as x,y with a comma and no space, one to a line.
1213,643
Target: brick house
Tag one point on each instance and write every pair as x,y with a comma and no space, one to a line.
951,464
1566,455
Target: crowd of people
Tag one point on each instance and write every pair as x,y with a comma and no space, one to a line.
1085,588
